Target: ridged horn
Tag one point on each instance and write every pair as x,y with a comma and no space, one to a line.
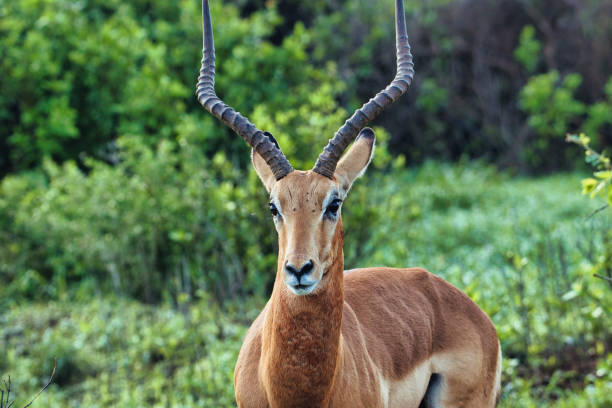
265,146
328,159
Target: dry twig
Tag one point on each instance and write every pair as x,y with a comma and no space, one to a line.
46,385
6,389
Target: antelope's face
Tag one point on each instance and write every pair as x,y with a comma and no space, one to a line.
305,207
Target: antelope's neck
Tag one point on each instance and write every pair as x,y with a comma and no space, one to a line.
301,343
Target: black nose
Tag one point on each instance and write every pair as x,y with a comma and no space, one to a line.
307,267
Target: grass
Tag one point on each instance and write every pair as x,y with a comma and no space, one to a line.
523,249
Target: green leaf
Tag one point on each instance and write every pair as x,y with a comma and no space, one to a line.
604,175
570,295
588,185
584,139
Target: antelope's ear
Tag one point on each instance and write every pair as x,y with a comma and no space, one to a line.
261,167
355,161
263,170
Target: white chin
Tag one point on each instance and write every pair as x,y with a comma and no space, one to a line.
303,289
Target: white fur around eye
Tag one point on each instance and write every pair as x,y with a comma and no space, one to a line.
277,204
329,198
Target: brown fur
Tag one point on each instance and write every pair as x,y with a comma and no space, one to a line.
368,338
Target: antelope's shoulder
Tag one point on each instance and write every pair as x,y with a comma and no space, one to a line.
387,312
247,387
394,298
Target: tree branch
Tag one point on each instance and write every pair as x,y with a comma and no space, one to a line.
609,280
46,385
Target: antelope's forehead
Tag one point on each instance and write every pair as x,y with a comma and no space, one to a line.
304,190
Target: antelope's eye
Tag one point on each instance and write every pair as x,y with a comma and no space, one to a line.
333,207
273,210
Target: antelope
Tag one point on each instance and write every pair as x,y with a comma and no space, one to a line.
372,337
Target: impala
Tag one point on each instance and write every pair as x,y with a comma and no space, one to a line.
373,337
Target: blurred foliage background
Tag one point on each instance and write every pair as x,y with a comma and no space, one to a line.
135,243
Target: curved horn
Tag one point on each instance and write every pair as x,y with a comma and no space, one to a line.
326,163
265,146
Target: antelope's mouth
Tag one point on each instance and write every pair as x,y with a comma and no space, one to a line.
303,289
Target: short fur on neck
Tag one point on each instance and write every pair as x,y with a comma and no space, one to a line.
301,339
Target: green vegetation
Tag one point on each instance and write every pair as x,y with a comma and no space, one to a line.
75,76
121,353
601,185
135,244
521,248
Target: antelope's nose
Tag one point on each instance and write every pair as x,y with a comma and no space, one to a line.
303,270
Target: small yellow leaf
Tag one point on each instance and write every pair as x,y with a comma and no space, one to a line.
603,174
588,185
584,139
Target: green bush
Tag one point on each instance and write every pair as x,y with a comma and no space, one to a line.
75,76
528,51
159,223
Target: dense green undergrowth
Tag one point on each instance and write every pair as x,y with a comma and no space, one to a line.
117,353
524,249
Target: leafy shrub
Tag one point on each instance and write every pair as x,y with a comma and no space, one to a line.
75,76
160,222
551,108
527,53
601,185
